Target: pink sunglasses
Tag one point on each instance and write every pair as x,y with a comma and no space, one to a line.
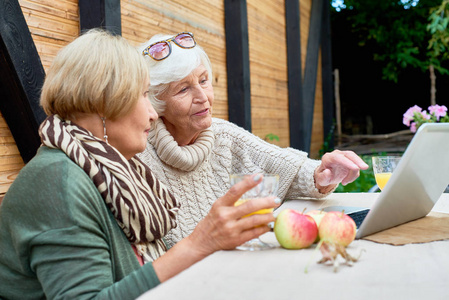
162,49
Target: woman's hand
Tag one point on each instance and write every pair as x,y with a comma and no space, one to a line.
338,167
222,229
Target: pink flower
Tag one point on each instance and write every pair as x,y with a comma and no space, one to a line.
425,115
438,111
408,116
414,117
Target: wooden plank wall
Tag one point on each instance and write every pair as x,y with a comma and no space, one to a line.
10,160
268,67
52,24
55,23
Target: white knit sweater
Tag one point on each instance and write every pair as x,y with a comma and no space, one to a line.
198,174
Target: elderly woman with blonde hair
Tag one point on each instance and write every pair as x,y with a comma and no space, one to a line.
85,218
194,153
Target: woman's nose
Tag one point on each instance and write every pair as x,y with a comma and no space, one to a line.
199,95
152,113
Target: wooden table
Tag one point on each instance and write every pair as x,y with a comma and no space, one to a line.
413,271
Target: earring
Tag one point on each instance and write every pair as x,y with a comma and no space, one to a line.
104,129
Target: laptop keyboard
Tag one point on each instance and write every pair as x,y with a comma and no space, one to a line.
359,216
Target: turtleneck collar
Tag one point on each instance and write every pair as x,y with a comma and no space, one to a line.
185,158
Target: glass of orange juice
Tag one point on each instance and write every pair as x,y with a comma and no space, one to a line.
383,167
266,188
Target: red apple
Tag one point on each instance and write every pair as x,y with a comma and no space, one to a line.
295,230
337,228
317,215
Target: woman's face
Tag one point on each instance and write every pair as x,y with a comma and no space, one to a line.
189,106
129,133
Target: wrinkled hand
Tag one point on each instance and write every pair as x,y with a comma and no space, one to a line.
224,228
338,167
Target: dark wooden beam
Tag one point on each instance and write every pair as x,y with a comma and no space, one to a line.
310,74
294,70
100,13
21,80
237,63
327,79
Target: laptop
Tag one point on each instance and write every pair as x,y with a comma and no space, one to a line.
415,186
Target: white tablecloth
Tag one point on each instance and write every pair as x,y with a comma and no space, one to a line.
414,271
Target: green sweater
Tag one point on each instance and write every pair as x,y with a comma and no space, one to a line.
58,239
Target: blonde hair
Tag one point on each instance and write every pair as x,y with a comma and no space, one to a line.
175,67
96,73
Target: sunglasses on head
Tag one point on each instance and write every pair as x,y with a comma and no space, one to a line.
162,49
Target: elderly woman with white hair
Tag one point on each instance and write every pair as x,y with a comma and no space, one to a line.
194,153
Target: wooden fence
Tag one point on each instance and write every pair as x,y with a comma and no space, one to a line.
55,23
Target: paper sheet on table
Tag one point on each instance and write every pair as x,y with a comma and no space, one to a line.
433,227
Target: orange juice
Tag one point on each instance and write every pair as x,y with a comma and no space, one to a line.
259,212
381,179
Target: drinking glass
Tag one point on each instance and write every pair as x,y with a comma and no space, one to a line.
383,167
266,188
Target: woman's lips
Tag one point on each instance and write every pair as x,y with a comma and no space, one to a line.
202,112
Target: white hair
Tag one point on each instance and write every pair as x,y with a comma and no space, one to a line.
177,66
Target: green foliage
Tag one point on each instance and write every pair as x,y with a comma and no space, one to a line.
398,32
419,119
271,137
363,183
439,30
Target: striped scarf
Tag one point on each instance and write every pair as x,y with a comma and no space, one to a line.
142,206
